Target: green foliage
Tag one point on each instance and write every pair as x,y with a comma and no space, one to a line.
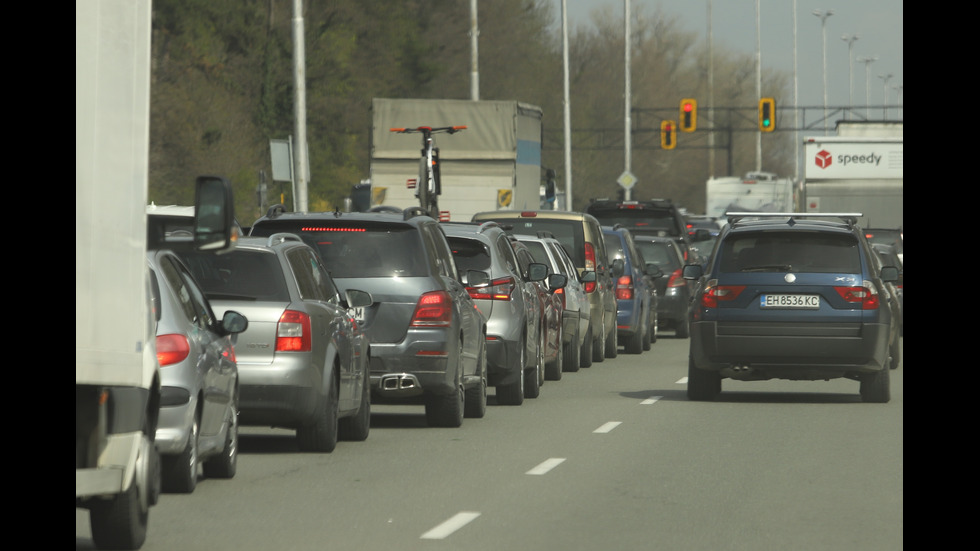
223,86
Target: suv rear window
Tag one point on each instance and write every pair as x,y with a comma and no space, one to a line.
790,251
639,220
362,249
660,254
567,232
469,254
238,275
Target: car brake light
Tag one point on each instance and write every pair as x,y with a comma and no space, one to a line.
294,332
867,295
624,288
561,293
714,293
172,349
433,309
589,257
499,289
676,279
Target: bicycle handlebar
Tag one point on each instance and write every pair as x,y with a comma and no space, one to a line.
428,130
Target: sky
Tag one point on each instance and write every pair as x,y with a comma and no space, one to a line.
878,24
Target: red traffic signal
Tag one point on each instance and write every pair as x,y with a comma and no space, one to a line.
689,115
668,135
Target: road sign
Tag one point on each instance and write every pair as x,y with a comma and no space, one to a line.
627,180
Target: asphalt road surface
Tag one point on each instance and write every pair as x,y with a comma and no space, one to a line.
611,457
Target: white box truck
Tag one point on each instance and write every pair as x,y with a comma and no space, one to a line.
756,192
117,385
856,174
495,163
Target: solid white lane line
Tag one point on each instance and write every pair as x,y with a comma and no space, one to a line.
682,381
608,426
651,400
445,529
547,465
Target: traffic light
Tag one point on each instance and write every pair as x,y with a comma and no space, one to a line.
767,114
668,134
689,115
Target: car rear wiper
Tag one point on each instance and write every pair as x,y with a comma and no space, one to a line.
769,268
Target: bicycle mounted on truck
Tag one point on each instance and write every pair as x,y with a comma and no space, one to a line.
428,187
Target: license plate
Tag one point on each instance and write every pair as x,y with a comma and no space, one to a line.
810,302
359,314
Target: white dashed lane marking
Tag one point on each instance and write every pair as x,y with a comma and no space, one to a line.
651,400
608,426
547,465
446,529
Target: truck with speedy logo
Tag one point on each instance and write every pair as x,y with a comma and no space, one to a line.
495,163
858,170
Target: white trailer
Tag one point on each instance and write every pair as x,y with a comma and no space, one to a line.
495,163
756,192
856,174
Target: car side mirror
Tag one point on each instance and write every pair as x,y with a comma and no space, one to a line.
557,281
233,323
618,266
889,274
537,271
357,298
654,271
588,276
692,271
477,278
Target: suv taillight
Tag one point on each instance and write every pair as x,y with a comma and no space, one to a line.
433,309
294,332
676,279
171,349
561,293
714,293
589,257
499,289
867,295
624,288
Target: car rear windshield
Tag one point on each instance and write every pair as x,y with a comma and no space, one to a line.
660,254
239,275
358,248
797,251
639,221
614,246
568,232
469,254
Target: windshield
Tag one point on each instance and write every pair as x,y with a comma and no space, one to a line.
790,252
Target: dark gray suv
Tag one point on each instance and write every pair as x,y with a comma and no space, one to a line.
427,338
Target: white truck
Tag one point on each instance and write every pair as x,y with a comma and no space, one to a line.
756,192
859,170
495,163
117,385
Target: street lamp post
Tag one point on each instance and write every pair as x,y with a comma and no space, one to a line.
867,60
823,15
884,94
850,39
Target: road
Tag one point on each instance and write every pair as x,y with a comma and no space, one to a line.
611,457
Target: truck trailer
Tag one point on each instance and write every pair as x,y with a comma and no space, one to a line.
495,163
756,192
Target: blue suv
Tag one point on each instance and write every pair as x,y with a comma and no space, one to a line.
636,294
792,296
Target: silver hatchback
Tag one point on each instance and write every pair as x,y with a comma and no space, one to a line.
198,378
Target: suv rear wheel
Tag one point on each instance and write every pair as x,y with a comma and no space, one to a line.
612,343
475,401
570,356
225,464
446,410
876,387
180,471
357,427
532,377
320,435
585,353
599,344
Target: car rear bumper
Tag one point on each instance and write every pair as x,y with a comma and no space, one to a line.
570,321
502,360
759,350
412,367
283,393
628,320
672,308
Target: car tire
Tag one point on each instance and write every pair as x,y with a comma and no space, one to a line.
532,377
896,354
320,435
513,394
599,344
552,370
645,344
180,471
570,356
702,385
683,329
120,522
225,464
654,330
585,353
475,401
634,344
357,427
876,387
612,343
446,410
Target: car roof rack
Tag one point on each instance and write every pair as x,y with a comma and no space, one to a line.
275,211
412,212
282,237
849,218
545,233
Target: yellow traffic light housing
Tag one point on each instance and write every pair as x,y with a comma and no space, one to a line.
767,114
668,134
689,115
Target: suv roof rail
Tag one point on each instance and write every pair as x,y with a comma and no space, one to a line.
282,237
275,211
849,218
489,224
412,212
618,226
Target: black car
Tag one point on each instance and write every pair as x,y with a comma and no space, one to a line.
792,296
655,217
673,291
